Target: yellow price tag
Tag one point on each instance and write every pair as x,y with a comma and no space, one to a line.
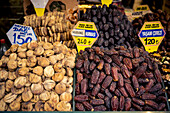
151,35
39,6
107,2
84,34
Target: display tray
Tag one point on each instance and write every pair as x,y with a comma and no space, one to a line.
168,107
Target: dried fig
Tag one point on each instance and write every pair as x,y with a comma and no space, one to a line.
58,77
27,94
3,105
3,74
39,106
14,48
49,71
54,97
9,85
17,90
63,106
49,106
30,53
20,82
39,51
23,71
45,95
32,45
60,88
38,70
22,48
22,63
48,53
10,98
34,78
47,45
13,56
49,84
12,64
15,106
2,89
12,76
22,54
69,72
44,62
37,88
66,97
27,106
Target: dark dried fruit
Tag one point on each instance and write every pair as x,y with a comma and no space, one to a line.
100,108
96,90
84,85
123,91
97,102
120,81
101,77
121,103
140,70
95,76
138,101
151,103
112,86
127,104
130,89
135,82
107,68
108,93
107,82
114,103
114,73
81,98
88,106
80,107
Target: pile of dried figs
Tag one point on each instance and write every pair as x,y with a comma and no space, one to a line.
37,76
51,27
113,26
118,79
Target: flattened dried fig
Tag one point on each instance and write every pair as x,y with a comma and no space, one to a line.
69,72
10,97
22,54
20,82
27,94
54,97
27,106
35,99
66,97
31,61
12,64
3,105
12,75
23,71
37,88
22,63
22,48
34,78
69,89
49,71
14,48
52,59
3,74
63,106
60,88
39,106
13,56
17,90
49,106
45,95
47,45
32,45
15,106
30,53
38,70
48,52
39,51
58,77
44,62
49,84
2,89
9,85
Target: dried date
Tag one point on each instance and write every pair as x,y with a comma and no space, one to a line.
97,102
130,89
100,108
81,98
114,103
114,73
96,90
84,86
107,82
101,77
127,104
95,76
107,68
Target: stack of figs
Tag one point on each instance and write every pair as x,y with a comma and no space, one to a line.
118,79
37,76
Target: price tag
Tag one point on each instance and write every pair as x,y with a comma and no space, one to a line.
84,34
20,34
107,2
39,6
151,35
142,8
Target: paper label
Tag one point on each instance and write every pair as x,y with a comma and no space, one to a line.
84,34
20,34
151,35
39,6
142,8
107,2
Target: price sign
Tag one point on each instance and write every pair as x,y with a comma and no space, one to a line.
151,35
84,34
20,34
107,2
142,8
39,6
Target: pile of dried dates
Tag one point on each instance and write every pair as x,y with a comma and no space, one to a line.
118,79
113,26
37,76
161,16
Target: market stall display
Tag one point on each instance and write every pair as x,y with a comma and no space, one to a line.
161,16
118,79
113,26
51,27
37,76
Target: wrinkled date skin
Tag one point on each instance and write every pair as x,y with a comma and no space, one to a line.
119,79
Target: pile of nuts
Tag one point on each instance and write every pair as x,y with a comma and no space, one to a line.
72,15
113,26
51,27
161,16
118,79
37,76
